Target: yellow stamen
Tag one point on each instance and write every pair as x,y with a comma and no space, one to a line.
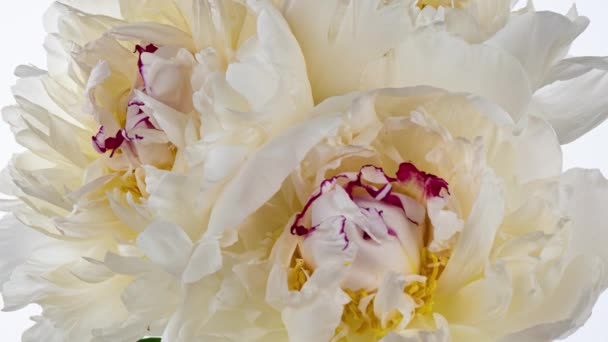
432,265
362,321
297,275
365,322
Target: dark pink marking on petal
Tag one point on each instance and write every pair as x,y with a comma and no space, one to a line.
431,184
362,186
392,232
409,172
383,194
99,141
343,232
126,136
135,103
297,227
150,48
115,142
103,144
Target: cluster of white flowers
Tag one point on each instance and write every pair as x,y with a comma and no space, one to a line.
304,170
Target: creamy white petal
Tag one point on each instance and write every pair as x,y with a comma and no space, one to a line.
43,330
273,60
441,60
391,299
573,99
472,250
548,38
167,245
155,33
263,174
584,193
314,313
568,306
18,242
440,334
332,33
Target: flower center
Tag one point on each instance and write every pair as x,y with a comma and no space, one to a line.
138,138
375,225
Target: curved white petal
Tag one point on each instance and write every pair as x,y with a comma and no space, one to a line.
263,174
440,334
573,100
159,34
333,32
441,60
391,299
314,313
548,37
472,250
167,245
584,194
566,308
17,242
270,70
43,330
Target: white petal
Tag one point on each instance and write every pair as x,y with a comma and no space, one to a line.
441,60
206,259
584,195
167,245
446,223
43,330
472,250
567,307
264,173
537,151
91,271
163,288
391,298
333,32
154,33
270,70
441,334
547,38
171,121
483,301
176,198
17,242
316,311
575,101
216,23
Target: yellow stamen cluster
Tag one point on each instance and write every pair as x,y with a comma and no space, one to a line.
297,275
364,322
443,3
359,318
432,265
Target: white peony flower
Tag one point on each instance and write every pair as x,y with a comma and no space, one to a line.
115,185
406,215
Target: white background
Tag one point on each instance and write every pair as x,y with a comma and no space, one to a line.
21,40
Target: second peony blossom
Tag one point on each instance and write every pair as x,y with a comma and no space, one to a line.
412,214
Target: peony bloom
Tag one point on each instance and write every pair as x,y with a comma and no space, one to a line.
120,131
516,59
212,170
406,215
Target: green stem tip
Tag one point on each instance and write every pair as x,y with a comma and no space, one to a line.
151,339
